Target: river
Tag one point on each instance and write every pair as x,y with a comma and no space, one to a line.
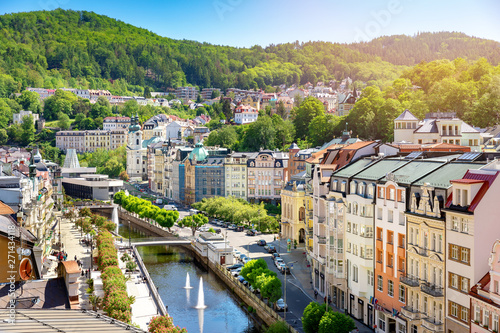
168,266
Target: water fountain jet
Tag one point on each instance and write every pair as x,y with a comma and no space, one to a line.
201,296
114,218
188,284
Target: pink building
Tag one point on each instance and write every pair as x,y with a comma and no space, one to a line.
485,297
472,212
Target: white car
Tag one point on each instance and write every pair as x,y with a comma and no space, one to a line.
236,271
278,261
281,305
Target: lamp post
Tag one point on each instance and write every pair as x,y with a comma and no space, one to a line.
285,310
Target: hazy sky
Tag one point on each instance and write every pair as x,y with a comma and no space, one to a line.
249,22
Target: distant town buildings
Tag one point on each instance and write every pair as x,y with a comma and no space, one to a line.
91,140
111,123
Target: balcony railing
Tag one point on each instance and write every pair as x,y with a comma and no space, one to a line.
432,324
423,252
432,289
321,219
410,312
321,239
409,280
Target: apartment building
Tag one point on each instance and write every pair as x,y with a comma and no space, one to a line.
235,169
293,211
245,114
472,212
91,140
111,123
267,171
297,159
17,118
186,93
206,93
485,300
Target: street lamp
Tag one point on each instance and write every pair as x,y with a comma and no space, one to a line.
129,241
286,304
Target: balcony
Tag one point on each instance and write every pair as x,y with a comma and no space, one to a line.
423,252
321,219
321,259
432,324
432,289
409,280
410,312
321,239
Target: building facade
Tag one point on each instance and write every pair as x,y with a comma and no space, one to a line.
267,170
235,169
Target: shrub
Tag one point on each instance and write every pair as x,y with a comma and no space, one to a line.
161,324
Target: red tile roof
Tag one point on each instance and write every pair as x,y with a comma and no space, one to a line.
467,181
475,177
5,210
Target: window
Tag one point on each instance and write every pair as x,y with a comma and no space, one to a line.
453,309
465,255
464,314
392,194
390,288
390,260
486,318
380,283
453,252
494,324
495,288
348,226
355,273
454,281
402,293
379,213
390,237
401,328
477,313
380,258
370,278
379,234
454,223
390,216
464,226
464,285
381,321
381,192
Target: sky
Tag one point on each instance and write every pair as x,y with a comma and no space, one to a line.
244,23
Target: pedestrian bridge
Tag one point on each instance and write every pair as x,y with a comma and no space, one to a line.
155,241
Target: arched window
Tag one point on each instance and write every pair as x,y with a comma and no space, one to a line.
353,187
137,142
334,185
137,161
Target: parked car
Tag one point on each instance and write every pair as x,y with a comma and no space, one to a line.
242,256
271,249
218,230
235,266
283,268
237,271
280,305
275,255
266,248
242,280
240,228
246,259
254,290
250,233
232,227
278,261
261,242
236,253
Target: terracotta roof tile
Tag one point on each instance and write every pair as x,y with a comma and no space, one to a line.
71,266
5,210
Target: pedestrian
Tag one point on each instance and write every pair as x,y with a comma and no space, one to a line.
75,257
315,294
325,299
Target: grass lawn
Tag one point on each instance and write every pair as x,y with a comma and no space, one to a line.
53,123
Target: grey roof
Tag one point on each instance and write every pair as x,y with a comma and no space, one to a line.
441,177
406,115
293,146
466,128
428,126
414,170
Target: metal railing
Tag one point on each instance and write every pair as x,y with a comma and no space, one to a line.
321,239
409,280
432,289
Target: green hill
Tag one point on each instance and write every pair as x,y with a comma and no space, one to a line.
82,49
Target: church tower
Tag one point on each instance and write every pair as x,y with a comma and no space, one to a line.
136,154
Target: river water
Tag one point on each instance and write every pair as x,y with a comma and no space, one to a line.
168,266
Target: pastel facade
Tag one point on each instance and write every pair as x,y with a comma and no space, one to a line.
111,123
245,114
17,118
235,166
91,140
267,171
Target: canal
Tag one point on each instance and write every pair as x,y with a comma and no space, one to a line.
168,267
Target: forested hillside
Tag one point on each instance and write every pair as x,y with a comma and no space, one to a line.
411,50
82,49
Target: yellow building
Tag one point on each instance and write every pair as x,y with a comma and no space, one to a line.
90,141
253,101
293,210
424,278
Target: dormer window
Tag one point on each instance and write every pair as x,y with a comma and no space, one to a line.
353,187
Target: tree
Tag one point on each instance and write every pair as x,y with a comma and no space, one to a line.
312,316
309,109
3,136
335,322
167,218
27,130
215,94
226,108
147,92
270,287
64,123
30,100
281,110
278,327
164,324
124,176
249,270
260,134
194,222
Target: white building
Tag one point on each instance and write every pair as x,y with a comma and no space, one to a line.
437,127
110,123
245,114
18,117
